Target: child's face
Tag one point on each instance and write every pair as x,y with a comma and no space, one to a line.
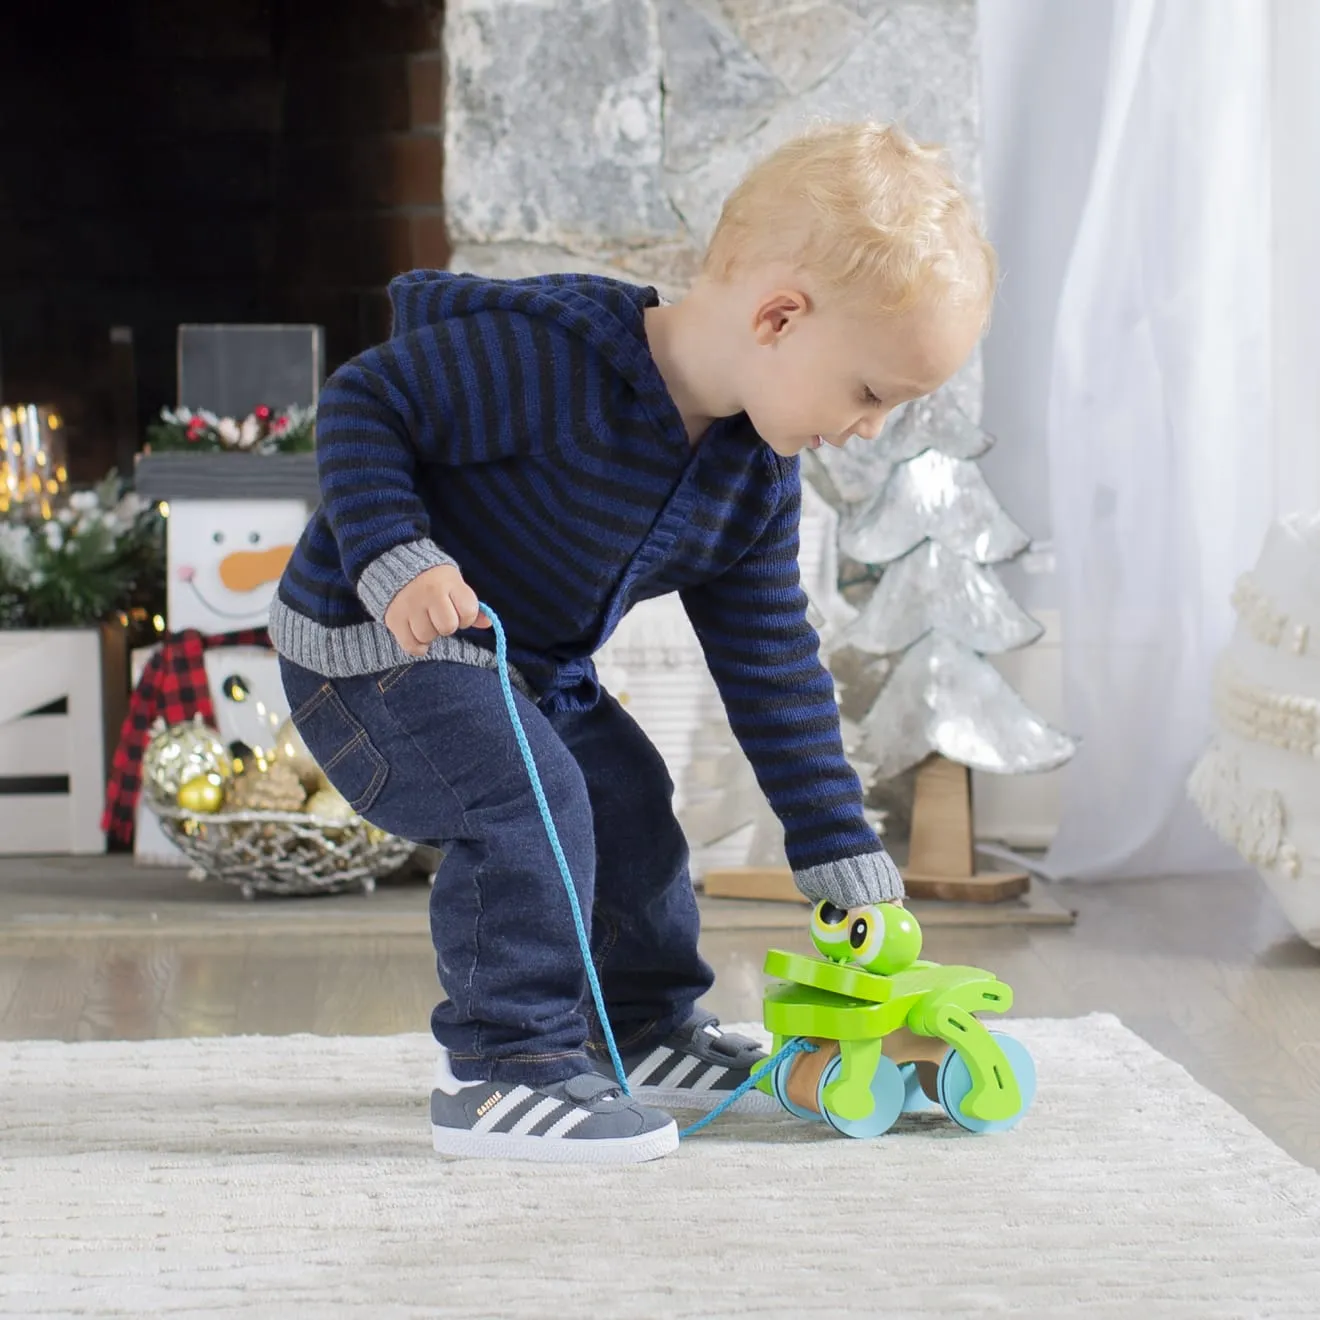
816,374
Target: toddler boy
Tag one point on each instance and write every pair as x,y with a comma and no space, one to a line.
563,448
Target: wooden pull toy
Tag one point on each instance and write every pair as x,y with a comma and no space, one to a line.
892,1033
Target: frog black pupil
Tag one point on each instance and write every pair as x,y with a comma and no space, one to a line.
857,936
831,915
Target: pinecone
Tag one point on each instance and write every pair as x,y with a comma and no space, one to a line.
276,788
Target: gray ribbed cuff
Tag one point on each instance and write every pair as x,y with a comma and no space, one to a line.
367,648
384,578
853,881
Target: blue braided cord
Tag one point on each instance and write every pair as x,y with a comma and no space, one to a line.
584,943
795,1046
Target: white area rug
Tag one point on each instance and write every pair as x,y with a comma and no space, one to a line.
293,1177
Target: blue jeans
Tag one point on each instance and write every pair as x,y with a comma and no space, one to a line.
427,752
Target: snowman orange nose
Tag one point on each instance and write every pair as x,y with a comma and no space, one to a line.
245,570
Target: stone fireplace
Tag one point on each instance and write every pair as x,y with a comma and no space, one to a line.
601,136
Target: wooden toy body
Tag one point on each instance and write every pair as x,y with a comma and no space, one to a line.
917,1016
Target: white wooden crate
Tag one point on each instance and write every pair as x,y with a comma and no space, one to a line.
37,669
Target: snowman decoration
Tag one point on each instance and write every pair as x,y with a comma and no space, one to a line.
224,559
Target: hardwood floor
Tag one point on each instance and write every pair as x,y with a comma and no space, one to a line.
1206,970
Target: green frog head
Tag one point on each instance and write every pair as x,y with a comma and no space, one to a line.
881,938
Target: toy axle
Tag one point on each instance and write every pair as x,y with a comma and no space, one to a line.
902,1046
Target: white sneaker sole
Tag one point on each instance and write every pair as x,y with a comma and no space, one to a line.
753,1102
461,1143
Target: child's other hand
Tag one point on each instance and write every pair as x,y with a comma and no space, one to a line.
434,604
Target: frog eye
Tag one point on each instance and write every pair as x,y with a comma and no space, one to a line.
866,934
829,931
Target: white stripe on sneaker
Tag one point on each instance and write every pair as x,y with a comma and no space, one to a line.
567,1123
658,1056
679,1071
497,1111
533,1116
708,1078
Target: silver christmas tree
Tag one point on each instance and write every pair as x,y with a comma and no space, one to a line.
914,506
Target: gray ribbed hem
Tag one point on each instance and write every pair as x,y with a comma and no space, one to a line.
384,578
367,648
852,881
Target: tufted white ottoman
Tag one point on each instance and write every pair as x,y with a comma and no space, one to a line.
1258,783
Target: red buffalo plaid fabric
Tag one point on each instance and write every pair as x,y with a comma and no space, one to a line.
173,686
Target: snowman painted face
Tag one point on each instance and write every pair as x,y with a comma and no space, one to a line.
225,560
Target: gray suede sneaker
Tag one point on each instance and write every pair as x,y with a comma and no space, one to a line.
585,1120
695,1068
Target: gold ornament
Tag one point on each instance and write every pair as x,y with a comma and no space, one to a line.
203,795
290,748
181,753
376,836
329,808
268,786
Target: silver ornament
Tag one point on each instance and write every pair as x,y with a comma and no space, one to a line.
934,422
179,753
944,698
933,588
936,497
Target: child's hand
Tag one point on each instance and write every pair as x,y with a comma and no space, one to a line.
434,604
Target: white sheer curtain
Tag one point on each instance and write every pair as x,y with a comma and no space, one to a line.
1163,465
1295,107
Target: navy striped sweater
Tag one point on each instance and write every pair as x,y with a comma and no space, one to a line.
521,430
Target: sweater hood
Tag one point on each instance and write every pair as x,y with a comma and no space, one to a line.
605,313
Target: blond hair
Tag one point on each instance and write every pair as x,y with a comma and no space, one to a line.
864,208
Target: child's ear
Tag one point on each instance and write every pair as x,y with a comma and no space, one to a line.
777,314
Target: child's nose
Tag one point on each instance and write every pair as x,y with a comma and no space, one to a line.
871,425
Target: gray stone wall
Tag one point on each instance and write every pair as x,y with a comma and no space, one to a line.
603,135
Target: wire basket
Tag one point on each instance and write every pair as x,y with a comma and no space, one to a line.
283,852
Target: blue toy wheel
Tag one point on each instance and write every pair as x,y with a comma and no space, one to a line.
954,1084
888,1089
779,1085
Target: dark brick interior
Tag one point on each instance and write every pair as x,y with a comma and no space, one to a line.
204,160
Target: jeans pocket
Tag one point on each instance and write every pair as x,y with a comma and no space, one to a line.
341,747
394,676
